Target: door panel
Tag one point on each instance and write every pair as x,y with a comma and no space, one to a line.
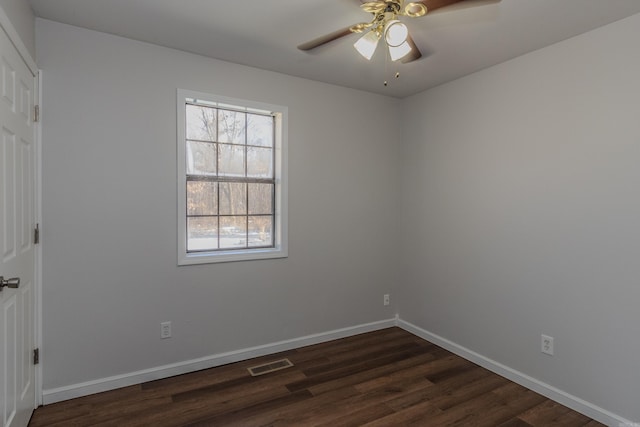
17,222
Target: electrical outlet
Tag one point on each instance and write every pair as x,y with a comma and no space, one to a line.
547,345
165,330
385,299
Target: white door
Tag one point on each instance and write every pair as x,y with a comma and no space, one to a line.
17,222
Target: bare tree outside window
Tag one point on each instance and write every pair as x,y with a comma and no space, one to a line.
230,178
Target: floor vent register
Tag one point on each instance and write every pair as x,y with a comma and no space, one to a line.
270,367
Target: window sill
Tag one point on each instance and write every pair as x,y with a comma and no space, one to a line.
231,256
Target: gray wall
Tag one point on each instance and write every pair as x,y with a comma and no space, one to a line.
22,18
518,197
109,208
521,209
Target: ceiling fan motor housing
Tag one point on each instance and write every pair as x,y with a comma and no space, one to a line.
393,6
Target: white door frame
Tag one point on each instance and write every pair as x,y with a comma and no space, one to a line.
37,321
7,26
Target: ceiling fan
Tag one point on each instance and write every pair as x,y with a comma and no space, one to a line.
386,25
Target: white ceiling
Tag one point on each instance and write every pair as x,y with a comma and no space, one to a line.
265,33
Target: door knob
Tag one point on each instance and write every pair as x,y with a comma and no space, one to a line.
12,283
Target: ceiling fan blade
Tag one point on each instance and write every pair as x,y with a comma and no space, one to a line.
433,5
414,54
317,42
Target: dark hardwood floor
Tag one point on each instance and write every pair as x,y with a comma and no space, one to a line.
383,378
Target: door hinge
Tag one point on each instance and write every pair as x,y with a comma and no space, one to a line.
36,235
36,113
36,356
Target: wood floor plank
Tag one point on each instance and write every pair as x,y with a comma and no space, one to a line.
549,412
358,417
353,369
201,408
381,378
237,416
515,422
519,398
105,413
287,415
424,363
419,414
363,350
408,369
573,419
358,359
50,415
238,386
454,390
345,408
359,342
367,375
448,399
466,413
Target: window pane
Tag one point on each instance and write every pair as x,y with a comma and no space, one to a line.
260,231
231,126
233,232
202,233
260,199
259,162
231,160
201,123
233,198
260,130
201,158
202,198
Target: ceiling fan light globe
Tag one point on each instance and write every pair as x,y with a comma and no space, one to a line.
367,44
396,33
399,52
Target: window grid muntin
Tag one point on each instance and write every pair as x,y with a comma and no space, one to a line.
246,216
217,178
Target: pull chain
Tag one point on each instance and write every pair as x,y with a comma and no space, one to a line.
386,70
386,64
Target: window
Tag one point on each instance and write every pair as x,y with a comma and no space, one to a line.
231,179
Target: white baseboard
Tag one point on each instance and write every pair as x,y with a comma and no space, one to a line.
118,381
566,399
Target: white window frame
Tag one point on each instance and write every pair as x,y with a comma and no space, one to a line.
280,249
